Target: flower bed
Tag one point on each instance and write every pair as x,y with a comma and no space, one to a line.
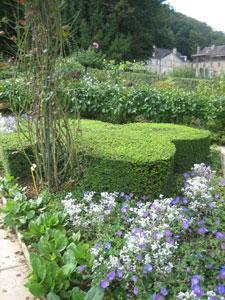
121,246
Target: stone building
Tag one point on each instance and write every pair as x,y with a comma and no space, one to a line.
209,61
164,61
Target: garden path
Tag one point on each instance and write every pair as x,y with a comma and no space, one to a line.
223,159
13,268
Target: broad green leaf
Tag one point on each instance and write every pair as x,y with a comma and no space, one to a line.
53,296
36,289
77,294
95,293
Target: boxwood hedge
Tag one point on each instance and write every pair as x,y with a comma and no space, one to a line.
12,155
140,157
136,157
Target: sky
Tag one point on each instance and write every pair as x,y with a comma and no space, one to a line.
211,12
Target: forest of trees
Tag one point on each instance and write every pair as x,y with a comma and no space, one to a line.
128,29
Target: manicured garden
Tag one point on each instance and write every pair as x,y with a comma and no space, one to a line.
108,173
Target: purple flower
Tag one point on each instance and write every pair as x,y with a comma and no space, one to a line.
129,197
153,205
136,230
110,207
186,175
220,235
199,292
202,230
145,214
82,268
216,196
211,205
158,297
156,236
220,289
108,246
111,276
195,280
119,232
97,246
223,246
186,224
169,269
144,198
175,201
119,273
222,273
209,266
138,257
122,194
167,233
124,208
134,278
185,200
136,291
171,242
201,222
148,268
164,292
104,284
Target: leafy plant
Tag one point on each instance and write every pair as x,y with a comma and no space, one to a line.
42,224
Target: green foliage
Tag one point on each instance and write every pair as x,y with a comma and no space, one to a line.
90,58
185,72
16,93
119,104
139,157
134,157
58,252
12,149
43,223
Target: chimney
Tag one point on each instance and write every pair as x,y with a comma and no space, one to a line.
198,50
174,50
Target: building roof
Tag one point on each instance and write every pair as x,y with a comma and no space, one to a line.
160,53
212,51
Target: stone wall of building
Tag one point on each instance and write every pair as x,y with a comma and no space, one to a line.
166,65
209,68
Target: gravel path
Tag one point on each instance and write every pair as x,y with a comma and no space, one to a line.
13,268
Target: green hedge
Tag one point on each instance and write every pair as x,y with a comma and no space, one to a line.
137,157
140,157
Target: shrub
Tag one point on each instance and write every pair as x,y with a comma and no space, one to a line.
136,157
119,104
12,155
139,157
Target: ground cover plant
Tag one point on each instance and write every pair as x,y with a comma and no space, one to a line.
118,245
